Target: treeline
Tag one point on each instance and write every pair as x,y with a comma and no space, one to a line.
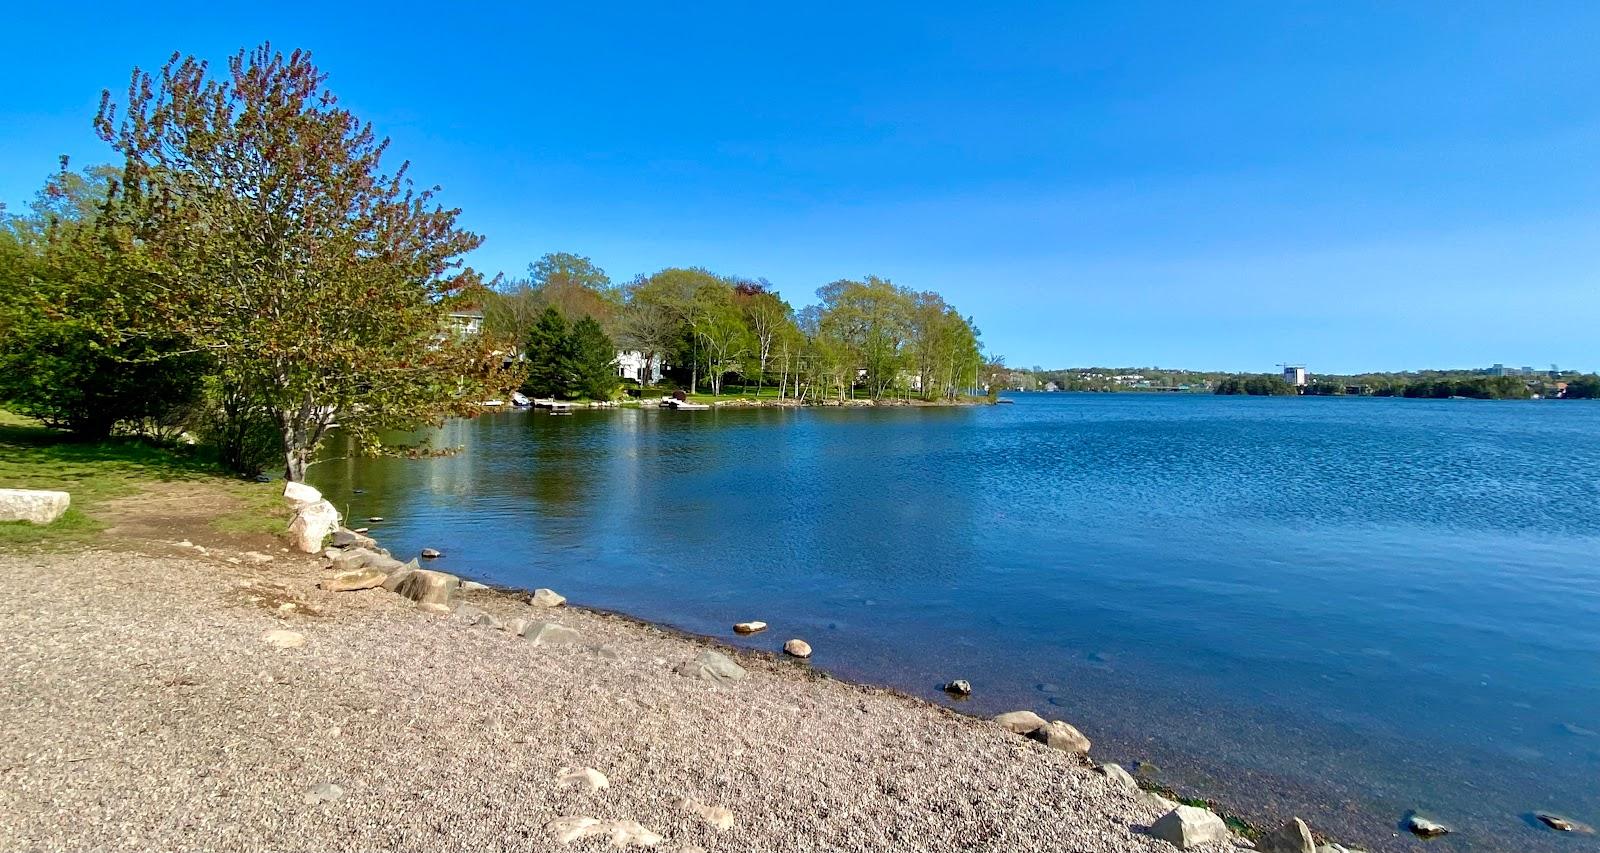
867,339
1261,385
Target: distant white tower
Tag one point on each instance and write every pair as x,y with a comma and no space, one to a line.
1294,374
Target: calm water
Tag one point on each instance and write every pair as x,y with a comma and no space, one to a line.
1340,608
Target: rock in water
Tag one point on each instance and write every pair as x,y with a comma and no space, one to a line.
798,648
354,580
586,778
284,639
430,554
711,666
312,523
1118,776
300,493
1186,826
546,598
1292,837
429,589
1020,722
717,816
749,627
1059,735
959,687
1424,828
1561,824
550,634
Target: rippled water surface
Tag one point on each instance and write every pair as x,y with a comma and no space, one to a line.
1340,608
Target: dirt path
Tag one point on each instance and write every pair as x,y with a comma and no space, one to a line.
143,709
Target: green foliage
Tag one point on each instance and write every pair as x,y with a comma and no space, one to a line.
314,277
79,350
552,361
1583,388
1263,385
594,360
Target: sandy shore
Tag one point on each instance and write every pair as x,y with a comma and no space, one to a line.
143,709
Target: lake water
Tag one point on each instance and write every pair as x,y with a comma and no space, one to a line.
1338,608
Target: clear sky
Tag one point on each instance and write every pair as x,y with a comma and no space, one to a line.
1211,185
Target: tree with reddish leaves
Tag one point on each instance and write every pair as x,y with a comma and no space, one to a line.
310,273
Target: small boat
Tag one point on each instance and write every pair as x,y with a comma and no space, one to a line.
520,400
683,405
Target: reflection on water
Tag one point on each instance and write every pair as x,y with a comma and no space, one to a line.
1343,609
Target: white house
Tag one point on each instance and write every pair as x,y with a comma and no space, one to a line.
632,364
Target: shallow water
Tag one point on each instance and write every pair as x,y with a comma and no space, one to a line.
1338,608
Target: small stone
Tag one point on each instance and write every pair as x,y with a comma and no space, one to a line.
717,816
960,687
798,648
749,627
1020,722
586,778
711,666
546,598
1118,777
284,639
257,557
570,829
1186,826
550,634
361,530
1292,837
324,792
286,606
374,519
431,554
1063,736
1424,828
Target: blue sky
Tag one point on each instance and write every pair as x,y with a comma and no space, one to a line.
1230,185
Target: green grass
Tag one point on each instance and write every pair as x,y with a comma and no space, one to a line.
34,456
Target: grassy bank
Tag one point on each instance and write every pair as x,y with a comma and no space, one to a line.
34,456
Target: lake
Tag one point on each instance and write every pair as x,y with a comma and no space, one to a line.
1339,608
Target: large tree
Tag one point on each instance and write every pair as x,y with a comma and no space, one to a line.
309,271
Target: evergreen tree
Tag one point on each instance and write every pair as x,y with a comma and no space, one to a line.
595,360
552,366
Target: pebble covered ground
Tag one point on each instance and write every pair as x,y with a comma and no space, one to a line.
143,707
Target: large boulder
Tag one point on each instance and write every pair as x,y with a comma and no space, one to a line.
1186,826
1119,777
546,598
312,523
354,580
347,538
33,505
714,667
1292,837
1020,722
431,590
300,493
351,559
1058,735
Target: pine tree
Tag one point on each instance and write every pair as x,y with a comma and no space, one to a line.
552,367
595,360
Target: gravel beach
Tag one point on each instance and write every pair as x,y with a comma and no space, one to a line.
144,707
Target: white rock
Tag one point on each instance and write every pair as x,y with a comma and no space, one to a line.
587,778
718,816
1420,825
313,522
300,493
431,553
284,639
798,648
546,598
712,666
257,557
622,833
323,793
570,829
1063,736
1020,722
1119,777
750,627
1186,826
33,505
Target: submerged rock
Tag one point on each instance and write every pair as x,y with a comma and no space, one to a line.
1561,824
1292,837
798,648
1186,826
959,687
1020,722
1063,736
1425,828
711,666
431,554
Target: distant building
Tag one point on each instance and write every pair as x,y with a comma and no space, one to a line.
1295,375
632,364
466,322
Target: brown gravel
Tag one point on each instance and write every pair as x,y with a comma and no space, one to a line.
142,709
